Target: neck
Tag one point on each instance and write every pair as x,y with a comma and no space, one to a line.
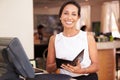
70,33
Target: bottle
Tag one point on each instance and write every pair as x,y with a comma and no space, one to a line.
111,38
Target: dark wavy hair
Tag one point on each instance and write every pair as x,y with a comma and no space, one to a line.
73,2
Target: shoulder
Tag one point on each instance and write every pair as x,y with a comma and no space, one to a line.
52,38
90,36
56,37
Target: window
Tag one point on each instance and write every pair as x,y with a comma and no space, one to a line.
110,16
85,17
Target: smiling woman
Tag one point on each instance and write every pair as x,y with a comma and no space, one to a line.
68,43
69,17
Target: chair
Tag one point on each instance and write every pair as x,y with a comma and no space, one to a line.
45,54
117,61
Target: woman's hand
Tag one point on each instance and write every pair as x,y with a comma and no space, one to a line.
73,69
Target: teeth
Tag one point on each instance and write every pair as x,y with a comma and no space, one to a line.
69,22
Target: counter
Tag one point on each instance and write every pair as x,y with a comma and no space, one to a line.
107,59
108,45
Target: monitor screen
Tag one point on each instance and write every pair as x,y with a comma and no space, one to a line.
13,55
16,55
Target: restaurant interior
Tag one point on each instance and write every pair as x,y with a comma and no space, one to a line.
34,21
95,17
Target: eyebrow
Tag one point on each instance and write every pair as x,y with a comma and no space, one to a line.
68,11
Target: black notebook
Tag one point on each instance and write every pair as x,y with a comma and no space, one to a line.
59,61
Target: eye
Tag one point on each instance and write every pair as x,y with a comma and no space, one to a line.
74,14
65,13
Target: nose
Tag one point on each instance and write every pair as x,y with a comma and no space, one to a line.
69,17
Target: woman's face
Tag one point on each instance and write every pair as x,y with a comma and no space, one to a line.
69,16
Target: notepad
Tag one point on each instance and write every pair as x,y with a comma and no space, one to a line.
59,61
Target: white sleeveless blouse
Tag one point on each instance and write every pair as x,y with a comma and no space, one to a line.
69,47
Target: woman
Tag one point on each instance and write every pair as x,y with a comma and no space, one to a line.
69,43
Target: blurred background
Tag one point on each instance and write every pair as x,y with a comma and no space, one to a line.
102,17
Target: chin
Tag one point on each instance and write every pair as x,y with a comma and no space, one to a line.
69,25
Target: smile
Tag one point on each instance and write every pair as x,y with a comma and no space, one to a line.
69,23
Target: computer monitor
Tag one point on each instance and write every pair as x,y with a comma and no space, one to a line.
14,63
14,56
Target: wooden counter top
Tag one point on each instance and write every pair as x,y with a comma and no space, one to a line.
108,45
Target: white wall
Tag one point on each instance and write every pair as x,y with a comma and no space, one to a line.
16,20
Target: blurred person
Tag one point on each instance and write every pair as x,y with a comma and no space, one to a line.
40,28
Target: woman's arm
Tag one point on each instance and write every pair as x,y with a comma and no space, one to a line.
92,48
51,63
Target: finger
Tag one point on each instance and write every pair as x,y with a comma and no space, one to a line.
68,65
72,68
68,68
64,66
78,63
